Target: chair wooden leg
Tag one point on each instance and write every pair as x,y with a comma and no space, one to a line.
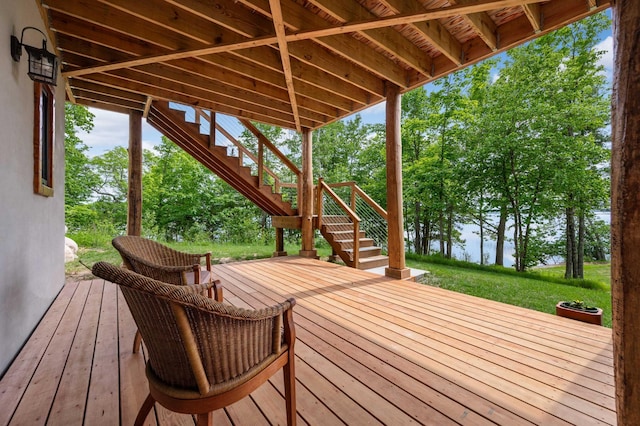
205,419
290,390
136,342
147,405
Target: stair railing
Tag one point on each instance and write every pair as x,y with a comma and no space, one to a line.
374,217
343,207
263,142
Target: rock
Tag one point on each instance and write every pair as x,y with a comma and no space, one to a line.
70,250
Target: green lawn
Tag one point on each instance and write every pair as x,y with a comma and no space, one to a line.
520,290
533,291
220,253
593,271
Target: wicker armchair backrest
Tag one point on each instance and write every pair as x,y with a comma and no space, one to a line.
195,343
152,259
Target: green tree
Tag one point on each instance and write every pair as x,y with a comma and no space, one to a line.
80,179
112,190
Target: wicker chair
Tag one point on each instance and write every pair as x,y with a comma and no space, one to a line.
205,355
162,263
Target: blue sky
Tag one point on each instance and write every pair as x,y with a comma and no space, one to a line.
112,129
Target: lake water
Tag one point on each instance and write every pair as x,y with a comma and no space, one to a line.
471,249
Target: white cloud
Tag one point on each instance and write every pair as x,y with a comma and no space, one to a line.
606,60
111,129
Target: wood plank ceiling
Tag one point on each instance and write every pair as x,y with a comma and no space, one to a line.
291,63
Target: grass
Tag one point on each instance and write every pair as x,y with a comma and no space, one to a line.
539,290
536,290
220,253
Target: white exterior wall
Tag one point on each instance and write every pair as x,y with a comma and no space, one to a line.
31,226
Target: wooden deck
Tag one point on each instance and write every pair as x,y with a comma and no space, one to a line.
370,351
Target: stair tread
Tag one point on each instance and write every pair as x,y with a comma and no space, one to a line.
350,250
374,258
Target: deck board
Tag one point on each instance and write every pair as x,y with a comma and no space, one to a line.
370,350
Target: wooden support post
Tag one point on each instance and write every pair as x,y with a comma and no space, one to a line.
279,243
397,268
134,200
306,209
625,210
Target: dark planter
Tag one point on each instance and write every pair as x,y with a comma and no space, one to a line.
591,316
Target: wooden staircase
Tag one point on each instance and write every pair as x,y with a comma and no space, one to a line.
173,124
338,231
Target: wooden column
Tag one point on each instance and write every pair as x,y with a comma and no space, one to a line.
306,208
397,268
625,210
134,200
279,243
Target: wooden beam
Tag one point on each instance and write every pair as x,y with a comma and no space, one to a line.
278,24
134,198
532,11
147,107
625,210
397,268
306,210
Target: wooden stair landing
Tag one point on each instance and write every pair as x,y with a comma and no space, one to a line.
370,350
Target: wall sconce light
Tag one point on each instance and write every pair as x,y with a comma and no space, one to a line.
43,65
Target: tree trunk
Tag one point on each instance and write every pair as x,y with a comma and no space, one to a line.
481,231
579,264
570,236
450,233
417,243
426,235
441,231
500,233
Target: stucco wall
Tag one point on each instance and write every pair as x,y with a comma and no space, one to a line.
31,226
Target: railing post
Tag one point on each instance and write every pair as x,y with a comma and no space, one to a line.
212,129
319,202
356,244
306,210
353,196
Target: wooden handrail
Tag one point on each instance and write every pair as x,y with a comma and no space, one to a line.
322,186
355,189
259,160
265,142
274,149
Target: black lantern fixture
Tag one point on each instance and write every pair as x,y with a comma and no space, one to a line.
43,65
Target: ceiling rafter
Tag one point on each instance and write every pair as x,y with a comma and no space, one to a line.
225,55
432,30
192,71
385,38
278,24
327,32
482,24
205,65
532,11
